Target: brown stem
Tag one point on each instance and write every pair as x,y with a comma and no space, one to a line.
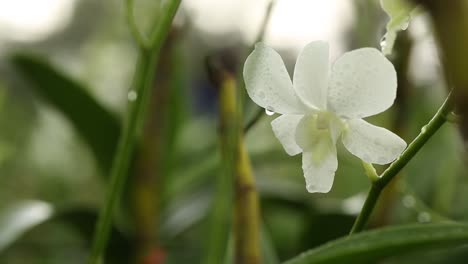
150,162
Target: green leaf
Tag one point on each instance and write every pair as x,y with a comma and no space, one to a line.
24,217
20,217
391,241
98,127
269,253
400,13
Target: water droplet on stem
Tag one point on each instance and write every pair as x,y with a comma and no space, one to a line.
132,96
424,217
408,201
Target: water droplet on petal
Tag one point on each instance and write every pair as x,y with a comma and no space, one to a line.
132,96
424,217
270,111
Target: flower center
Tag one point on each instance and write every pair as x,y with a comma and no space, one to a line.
323,120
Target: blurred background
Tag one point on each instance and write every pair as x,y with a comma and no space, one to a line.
65,72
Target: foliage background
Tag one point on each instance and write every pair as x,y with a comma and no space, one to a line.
52,181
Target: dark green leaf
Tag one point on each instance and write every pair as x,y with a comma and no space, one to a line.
25,217
98,127
392,241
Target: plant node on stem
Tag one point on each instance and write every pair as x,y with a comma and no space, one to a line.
377,186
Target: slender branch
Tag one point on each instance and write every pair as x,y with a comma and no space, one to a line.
266,19
139,38
377,186
258,115
260,36
367,209
427,132
142,82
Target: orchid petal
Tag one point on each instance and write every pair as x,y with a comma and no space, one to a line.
363,83
268,83
311,74
371,143
284,128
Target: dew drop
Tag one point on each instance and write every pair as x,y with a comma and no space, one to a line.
269,111
383,42
132,96
423,129
424,217
404,25
408,201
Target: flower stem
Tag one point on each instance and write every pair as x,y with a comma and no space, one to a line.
142,83
139,38
366,211
377,186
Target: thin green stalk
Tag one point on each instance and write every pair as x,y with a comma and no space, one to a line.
266,19
366,211
260,36
257,116
377,186
139,38
142,83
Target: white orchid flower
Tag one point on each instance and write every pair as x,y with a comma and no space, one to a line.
322,106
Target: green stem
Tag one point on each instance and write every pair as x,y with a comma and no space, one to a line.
258,114
377,186
366,211
142,83
139,38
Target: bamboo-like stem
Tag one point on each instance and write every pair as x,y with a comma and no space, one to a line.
246,205
238,177
143,80
221,215
377,186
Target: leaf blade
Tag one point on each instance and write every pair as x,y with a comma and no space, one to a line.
377,244
97,126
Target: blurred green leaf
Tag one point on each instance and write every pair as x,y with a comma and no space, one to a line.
4,147
2,94
18,218
25,217
98,127
373,245
269,253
